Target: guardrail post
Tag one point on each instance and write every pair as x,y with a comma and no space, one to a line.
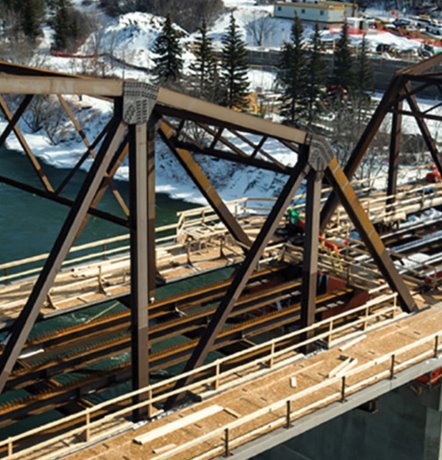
226,443
272,353
10,447
330,331
393,359
88,430
436,346
218,371
365,323
343,387
288,423
150,405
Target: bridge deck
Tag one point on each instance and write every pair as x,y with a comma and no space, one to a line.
205,245
257,406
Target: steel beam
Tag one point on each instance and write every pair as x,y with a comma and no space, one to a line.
83,158
151,206
204,185
19,112
24,323
429,141
423,66
422,115
186,107
46,85
61,200
343,189
229,156
243,273
395,146
25,146
363,144
90,149
139,260
311,244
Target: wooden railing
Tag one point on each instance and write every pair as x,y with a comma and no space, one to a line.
118,247
340,391
168,235
330,331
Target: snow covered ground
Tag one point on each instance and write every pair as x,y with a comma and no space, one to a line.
129,38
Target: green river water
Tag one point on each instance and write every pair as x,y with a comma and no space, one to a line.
30,225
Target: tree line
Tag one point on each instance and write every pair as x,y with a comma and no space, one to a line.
21,22
306,91
187,14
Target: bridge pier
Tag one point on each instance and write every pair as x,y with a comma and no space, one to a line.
432,400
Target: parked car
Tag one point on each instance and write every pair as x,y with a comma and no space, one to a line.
434,29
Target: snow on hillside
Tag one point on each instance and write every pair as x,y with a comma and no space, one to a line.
130,38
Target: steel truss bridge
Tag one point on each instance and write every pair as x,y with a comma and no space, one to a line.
276,284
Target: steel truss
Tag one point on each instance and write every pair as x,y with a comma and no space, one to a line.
189,127
406,85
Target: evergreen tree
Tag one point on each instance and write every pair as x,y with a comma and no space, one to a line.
343,74
292,75
61,25
316,74
234,67
168,63
70,26
364,81
31,12
204,70
364,71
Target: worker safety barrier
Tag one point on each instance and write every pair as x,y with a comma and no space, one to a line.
375,313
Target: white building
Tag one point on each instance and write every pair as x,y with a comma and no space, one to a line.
326,12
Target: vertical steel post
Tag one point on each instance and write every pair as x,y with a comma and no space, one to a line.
311,243
151,206
395,145
138,192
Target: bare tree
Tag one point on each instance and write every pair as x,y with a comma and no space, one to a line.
260,29
345,125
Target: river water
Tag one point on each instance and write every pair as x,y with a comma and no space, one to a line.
29,225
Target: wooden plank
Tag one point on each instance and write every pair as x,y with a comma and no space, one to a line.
335,371
178,424
163,449
348,345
